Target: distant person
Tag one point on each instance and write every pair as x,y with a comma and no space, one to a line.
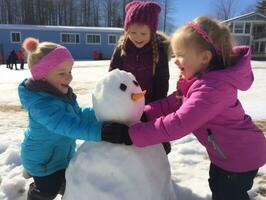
12,60
212,72
144,52
8,61
21,55
55,118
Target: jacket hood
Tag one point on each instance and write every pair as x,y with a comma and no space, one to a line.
30,91
27,97
239,75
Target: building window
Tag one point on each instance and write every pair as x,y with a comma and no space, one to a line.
239,27
256,47
262,47
111,39
70,38
93,39
15,37
247,27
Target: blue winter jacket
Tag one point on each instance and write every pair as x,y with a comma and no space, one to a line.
54,124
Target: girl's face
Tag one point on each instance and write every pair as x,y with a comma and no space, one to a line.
191,61
139,34
61,76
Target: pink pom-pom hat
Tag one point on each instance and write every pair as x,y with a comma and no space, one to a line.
48,62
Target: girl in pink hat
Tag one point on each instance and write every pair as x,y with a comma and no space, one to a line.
212,72
143,52
55,118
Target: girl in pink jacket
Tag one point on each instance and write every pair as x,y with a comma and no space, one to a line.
206,104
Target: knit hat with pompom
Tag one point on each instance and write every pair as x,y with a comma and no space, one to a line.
144,13
30,44
48,62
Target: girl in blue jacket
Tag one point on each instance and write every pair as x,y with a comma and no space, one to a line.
55,118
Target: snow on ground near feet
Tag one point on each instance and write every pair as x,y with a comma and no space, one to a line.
188,159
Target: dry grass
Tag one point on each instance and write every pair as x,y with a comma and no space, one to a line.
262,125
11,108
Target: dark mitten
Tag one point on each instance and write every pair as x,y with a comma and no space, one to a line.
143,117
167,147
115,133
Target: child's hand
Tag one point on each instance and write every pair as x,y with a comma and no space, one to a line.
115,133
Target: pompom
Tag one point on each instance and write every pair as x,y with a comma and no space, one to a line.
30,44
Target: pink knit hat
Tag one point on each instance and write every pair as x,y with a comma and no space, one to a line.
142,12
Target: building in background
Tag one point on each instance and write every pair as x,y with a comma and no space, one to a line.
250,29
85,43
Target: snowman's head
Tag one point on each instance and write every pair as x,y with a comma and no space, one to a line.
118,98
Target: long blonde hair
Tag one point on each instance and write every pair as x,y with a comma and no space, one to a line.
217,31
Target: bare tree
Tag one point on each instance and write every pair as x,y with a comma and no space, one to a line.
249,8
96,13
111,8
8,12
169,10
225,9
63,12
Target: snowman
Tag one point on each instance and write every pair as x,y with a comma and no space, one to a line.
106,171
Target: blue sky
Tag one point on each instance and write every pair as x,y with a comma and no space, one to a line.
189,9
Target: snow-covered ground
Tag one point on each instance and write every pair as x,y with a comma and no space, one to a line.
188,159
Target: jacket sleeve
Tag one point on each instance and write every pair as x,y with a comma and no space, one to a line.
161,83
199,108
61,122
88,114
116,60
162,107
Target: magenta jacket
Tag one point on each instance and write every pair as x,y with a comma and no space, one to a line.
210,110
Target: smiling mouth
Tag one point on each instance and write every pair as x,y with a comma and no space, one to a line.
138,42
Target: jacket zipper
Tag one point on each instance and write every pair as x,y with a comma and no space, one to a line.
215,145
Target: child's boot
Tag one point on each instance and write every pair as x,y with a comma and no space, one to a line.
35,194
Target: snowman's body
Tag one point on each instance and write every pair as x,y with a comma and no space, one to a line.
105,171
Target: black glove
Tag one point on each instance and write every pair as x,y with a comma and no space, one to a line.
167,147
115,133
143,117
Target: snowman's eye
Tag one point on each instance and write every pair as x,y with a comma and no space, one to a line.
136,83
123,87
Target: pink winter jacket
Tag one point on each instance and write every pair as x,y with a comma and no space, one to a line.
210,102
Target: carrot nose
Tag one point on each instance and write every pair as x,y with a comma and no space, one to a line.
137,96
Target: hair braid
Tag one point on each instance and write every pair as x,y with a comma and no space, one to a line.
155,52
122,44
